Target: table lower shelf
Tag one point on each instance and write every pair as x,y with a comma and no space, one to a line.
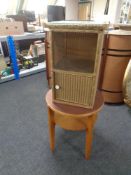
41,67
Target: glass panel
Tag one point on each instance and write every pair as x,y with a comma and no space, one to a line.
73,51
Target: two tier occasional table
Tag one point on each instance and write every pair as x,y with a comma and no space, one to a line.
73,118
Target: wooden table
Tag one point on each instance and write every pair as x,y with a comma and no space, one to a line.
72,118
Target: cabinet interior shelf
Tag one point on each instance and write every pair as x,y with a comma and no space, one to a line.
76,65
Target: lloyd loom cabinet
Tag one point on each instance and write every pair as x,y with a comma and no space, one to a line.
75,52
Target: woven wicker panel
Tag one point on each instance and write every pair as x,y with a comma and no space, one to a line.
81,45
58,46
74,51
75,88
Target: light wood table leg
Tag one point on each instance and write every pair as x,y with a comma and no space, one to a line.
51,125
89,137
94,118
73,118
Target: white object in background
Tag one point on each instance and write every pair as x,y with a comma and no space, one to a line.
1,50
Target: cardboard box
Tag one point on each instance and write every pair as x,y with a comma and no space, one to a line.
11,28
40,48
2,63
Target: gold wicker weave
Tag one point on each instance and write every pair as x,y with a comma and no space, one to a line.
127,85
76,52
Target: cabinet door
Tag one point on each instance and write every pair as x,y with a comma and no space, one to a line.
75,89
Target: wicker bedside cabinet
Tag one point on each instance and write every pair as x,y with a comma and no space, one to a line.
76,52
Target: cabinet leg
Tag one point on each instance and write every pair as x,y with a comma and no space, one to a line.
51,125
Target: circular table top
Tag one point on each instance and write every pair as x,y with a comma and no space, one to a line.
69,110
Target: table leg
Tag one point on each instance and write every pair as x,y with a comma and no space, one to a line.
94,118
51,125
89,137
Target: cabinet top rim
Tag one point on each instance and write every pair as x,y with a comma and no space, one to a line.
81,25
